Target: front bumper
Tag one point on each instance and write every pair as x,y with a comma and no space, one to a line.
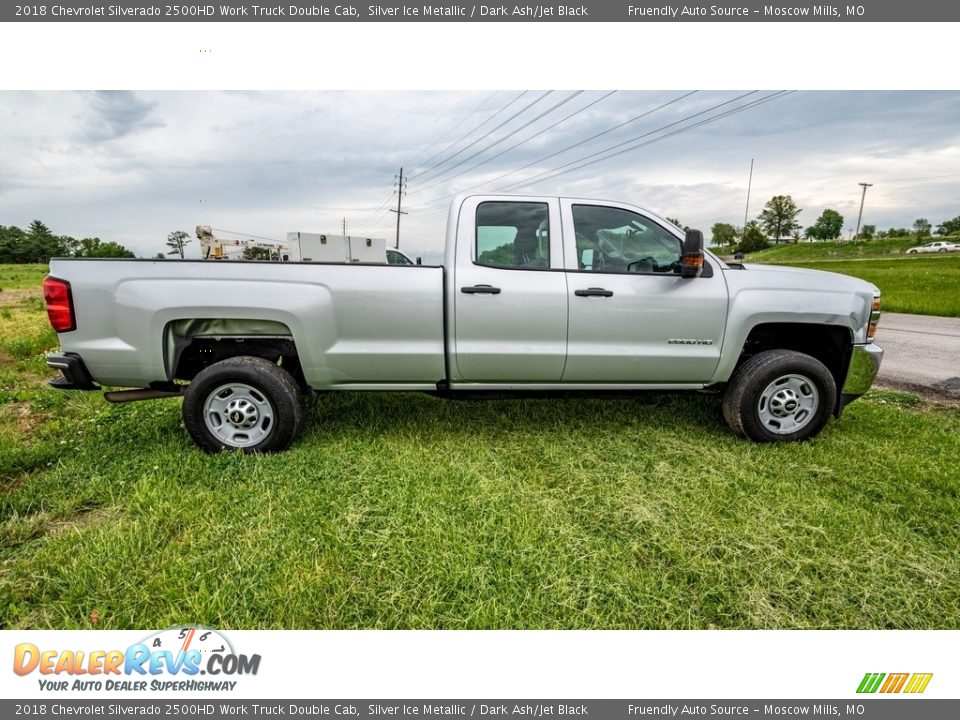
864,365
75,373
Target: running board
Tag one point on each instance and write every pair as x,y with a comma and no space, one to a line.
133,395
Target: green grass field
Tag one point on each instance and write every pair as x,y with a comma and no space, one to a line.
923,285
403,511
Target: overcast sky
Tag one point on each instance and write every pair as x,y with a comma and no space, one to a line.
132,166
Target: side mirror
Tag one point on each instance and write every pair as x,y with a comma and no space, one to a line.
691,261
586,258
419,261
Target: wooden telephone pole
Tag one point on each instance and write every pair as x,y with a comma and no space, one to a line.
863,197
401,191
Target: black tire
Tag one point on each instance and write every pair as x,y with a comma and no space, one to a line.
752,383
268,383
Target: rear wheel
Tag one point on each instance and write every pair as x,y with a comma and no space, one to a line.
244,403
780,396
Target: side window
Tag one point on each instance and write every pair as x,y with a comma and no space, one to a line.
395,258
612,240
513,235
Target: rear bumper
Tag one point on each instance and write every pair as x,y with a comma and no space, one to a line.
864,365
75,373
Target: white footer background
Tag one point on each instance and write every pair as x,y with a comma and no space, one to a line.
533,664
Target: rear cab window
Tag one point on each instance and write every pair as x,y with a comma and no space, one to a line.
513,235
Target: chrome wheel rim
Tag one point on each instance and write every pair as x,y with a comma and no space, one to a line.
788,404
238,415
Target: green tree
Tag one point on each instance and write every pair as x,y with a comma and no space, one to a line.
949,227
753,239
176,241
40,244
96,248
501,256
867,232
921,226
676,222
828,226
255,252
779,216
723,234
12,244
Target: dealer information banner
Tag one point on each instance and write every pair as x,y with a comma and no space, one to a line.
487,708
588,10
191,670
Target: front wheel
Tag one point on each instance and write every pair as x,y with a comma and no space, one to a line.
245,403
780,396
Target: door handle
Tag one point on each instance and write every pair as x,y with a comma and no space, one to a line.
480,290
593,292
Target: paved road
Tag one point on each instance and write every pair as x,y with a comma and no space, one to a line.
920,352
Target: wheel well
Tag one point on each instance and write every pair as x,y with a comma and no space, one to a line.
192,345
829,344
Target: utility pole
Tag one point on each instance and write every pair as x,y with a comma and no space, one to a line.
401,191
344,226
746,210
860,216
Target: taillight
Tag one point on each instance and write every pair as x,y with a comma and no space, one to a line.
59,300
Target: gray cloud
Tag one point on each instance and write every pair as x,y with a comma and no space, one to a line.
116,113
143,164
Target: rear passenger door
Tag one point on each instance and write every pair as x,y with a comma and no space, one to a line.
510,294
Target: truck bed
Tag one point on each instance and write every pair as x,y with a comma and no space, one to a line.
360,326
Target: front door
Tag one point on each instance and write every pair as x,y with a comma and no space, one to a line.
510,293
633,319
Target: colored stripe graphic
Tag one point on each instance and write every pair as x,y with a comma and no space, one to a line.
870,682
894,682
918,683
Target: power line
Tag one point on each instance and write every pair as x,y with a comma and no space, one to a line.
510,134
920,179
471,131
765,99
384,200
551,173
512,147
593,137
485,135
768,98
440,139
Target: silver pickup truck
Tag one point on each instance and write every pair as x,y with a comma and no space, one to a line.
536,295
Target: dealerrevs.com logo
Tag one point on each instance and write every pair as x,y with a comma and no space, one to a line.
173,659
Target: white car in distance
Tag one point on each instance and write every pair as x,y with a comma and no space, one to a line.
930,247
